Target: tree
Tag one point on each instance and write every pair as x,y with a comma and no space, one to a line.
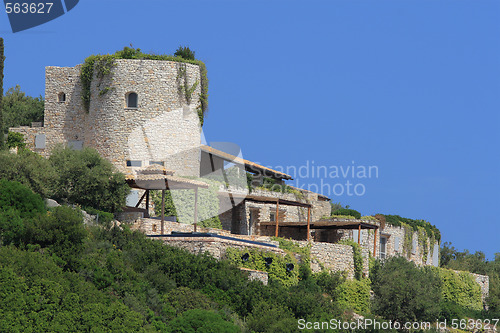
14,195
405,292
87,179
185,53
30,169
202,321
62,232
2,59
20,109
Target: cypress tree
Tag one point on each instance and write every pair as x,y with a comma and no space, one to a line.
2,58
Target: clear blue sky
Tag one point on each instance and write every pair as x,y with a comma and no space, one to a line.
411,87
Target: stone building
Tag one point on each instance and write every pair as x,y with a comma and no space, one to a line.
137,115
140,115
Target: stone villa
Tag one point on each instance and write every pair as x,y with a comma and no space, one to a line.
139,117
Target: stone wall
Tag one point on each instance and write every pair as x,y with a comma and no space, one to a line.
395,238
484,283
256,275
216,247
163,128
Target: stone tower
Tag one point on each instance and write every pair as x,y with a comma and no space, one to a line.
144,112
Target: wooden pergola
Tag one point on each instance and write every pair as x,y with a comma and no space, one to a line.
157,178
331,224
278,202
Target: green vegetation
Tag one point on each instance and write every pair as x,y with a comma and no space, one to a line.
348,212
101,65
2,60
339,217
355,295
460,288
64,276
70,176
276,265
357,257
16,140
185,53
56,274
85,178
29,169
451,258
20,110
431,230
404,292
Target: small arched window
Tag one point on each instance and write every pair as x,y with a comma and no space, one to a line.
61,97
131,98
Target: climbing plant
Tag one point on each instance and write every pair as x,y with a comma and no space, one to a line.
101,65
423,243
460,288
16,140
408,239
357,257
275,266
396,220
183,84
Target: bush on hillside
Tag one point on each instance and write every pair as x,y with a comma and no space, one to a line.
30,169
348,212
85,178
15,196
405,292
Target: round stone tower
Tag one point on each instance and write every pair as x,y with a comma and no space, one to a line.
145,112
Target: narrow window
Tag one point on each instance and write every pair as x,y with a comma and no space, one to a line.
383,245
272,217
157,162
134,163
154,227
61,97
131,100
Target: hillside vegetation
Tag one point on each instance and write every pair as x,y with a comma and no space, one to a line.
58,274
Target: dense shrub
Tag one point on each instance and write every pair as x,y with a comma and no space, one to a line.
349,212
405,292
460,288
103,218
29,169
15,196
475,263
185,53
38,296
201,321
183,299
85,178
62,232
355,295
11,227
